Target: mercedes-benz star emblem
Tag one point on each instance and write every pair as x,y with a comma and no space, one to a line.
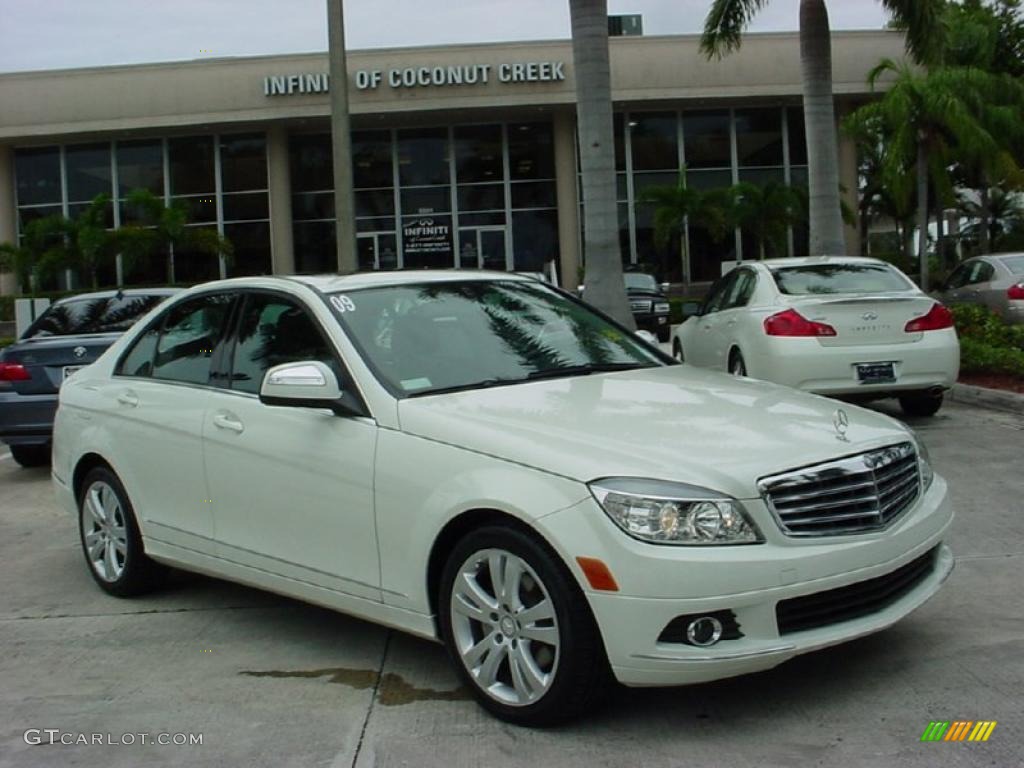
869,316
842,423
79,351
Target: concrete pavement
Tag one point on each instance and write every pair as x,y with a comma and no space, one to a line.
272,682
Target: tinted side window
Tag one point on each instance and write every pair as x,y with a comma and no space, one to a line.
959,277
273,331
983,273
190,333
742,290
139,360
720,292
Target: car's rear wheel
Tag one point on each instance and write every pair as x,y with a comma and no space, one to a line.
664,334
737,365
519,630
922,404
110,537
31,455
677,351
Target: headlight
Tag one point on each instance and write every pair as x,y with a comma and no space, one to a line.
674,513
662,309
924,462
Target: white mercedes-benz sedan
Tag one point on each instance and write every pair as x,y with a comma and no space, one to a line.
482,459
843,326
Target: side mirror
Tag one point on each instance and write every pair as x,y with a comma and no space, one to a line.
692,309
649,337
306,384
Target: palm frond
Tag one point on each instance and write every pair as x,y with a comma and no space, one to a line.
725,24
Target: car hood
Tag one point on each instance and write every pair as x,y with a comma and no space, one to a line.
675,423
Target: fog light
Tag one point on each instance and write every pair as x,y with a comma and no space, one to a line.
705,631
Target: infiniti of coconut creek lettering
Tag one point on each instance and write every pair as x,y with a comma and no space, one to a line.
421,77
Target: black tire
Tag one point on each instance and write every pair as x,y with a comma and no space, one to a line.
664,334
582,676
677,351
922,404
31,455
737,365
138,574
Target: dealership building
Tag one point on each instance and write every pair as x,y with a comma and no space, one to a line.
462,156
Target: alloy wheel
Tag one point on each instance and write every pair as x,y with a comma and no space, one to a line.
104,532
504,627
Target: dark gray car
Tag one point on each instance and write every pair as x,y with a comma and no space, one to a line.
995,281
69,335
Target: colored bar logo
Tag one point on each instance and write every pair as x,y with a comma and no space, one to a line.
958,730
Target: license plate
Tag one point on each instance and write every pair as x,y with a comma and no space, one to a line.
876,373
69,370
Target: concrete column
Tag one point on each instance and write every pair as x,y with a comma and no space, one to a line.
282,249
8,227
850,181
568,200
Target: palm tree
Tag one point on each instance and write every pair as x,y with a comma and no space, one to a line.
605,288
679,206
934,119
160,228
767,213
29,260
723,30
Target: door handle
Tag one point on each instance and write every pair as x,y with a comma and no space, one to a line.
228,421
128,398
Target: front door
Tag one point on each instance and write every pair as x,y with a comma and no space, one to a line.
377,250
291,489
483,248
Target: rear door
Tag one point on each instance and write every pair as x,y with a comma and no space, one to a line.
730,316
703,343
158,396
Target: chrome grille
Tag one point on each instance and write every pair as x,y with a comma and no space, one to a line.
857,494
641,305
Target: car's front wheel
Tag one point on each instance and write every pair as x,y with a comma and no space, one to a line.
31,455
664,334
110,537
519,629
923,404
677,351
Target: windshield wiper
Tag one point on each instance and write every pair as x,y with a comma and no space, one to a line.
485,384
586,370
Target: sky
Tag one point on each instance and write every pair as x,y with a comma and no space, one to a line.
51,34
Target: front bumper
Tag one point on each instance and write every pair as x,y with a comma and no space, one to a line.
658,584
651,322
26,419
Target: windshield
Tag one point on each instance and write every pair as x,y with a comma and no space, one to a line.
640,281
825,279
104,315
435,337
1014,263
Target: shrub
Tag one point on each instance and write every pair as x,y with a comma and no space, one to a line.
979,357
6,341
981,325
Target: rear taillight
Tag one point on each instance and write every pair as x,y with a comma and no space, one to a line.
937,319
13,372
792,323
1015,292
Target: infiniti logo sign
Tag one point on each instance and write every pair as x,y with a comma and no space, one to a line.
869,316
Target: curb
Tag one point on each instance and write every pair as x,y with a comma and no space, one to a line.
984,397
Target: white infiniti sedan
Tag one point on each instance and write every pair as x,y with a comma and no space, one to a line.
481,459
844,326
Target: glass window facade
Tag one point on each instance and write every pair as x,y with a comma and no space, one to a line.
220,180
477,196
717,148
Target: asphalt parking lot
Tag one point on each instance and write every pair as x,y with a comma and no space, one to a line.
268,681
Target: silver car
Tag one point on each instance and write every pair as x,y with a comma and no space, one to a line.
995,281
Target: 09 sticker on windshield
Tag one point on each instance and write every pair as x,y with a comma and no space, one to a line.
343,304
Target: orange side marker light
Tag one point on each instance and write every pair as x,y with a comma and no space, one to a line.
597,574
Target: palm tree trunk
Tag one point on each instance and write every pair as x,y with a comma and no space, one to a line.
603,267
922,211
341,142
985,230
825,219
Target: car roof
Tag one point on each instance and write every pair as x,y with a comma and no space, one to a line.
334,283
124,292
810,261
